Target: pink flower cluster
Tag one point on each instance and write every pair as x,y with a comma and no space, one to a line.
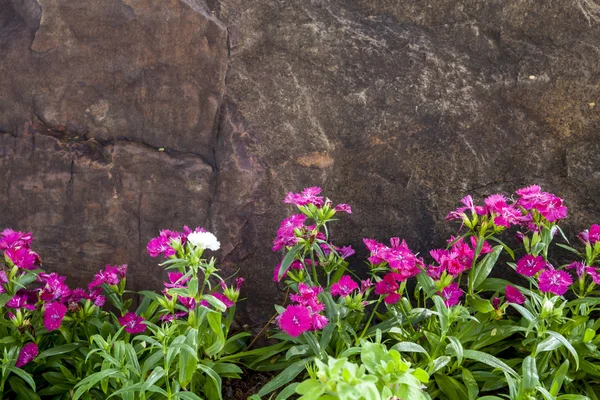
53,297
455,260
305,314
404,264
518,212
549,279
16,247
162,244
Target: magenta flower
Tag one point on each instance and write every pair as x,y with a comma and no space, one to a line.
3,280
554,209
345,251
308,196
176,280
23,299
554,281
400,258
318,321
451,294
364,285
306,294
133,323
295,320
495,203
343,208
54,288
344,286
172,317
593,272
514,295
377,249
162,244
10,239
110,276
187,302
579,267
96,297
591,236
286,234
550,206
391,298
529,265
23,258
77,295
387,285
53,315
27,354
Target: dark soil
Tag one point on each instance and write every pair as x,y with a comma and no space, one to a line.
241,389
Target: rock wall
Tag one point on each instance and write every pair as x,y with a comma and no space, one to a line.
123,117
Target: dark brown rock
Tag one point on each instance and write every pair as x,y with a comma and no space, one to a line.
399,108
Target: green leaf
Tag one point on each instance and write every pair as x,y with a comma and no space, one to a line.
451,388
314,344
531,378
470,383
187,396
479,304
559,378
438,364
409,347
525,313
288,259
214,320
485,266
213,376
216,303
23,375
193,287
22,391
287,391
457,349
490,360
54,351
568,345
284,377
187,362
90,381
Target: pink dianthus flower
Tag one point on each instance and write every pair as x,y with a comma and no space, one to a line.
344,286
27,354
554,281
53,315
133,323
295,320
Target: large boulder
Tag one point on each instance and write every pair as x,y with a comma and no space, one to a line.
399,108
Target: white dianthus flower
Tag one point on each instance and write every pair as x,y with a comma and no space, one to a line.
204,240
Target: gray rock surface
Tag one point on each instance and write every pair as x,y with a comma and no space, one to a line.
399,108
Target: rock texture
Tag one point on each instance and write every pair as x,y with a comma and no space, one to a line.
399,107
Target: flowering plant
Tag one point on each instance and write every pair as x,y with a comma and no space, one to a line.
456,325
175,345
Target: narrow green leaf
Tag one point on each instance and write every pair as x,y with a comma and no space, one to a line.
485,266
489,360
288,259
531,378
23,375
284,377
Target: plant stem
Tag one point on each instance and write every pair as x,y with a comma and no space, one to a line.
370,318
